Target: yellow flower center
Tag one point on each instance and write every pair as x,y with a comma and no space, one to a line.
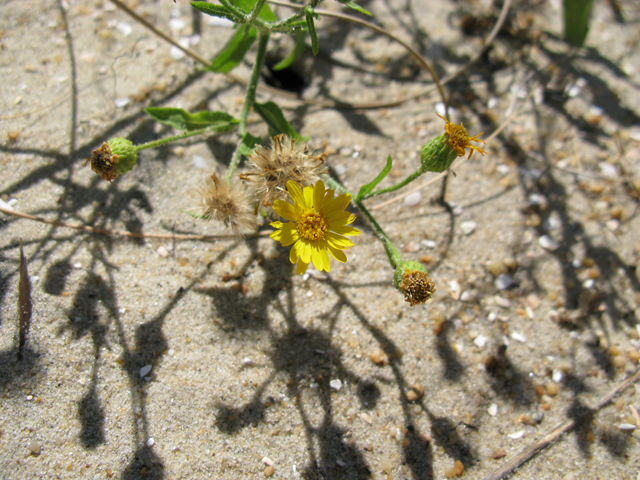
312,225
459,138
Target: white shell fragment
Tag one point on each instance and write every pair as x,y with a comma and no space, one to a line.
548,243
627,427
503,281
267,461
517,435
468,227
336,384
493,409
519,337
413,199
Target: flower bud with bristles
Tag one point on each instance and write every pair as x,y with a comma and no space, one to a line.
439,153
113,158
412,280
226,203
271,169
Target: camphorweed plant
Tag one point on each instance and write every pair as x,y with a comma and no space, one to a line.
285,177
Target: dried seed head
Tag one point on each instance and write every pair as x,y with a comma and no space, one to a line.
412,280
113,158
226,203
271,169
459,138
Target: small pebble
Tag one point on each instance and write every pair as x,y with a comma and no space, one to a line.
458,467
150,442
386,464
503,281
616,212
493,409
495,268
415,393
527,419
510,262
517,435
413,199
498,454
557,375
619,404
145,370
545,406
546,242
35,448
267,461
468,227
618,361
121,102
481,341
450,472
552,389
502,302
269,471
519,337
538,417
13,135
634,356
379,357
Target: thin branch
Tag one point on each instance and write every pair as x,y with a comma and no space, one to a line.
559,430
124,233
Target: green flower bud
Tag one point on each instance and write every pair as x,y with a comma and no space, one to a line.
412,280
113,158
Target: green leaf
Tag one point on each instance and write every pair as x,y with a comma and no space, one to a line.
215,11
308,13
247,5
576,20
273,116
295,53
368,188
199,216
182,120
248,144
357,7
236,49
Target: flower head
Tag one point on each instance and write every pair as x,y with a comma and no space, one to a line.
459,139
113,158
318,225
287,160
226,203
411,278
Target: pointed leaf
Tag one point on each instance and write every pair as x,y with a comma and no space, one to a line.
182,120
247,5
295,53
233,53
198,216
215,11
368,188
248,144
576,20
357,7
273,116
308,12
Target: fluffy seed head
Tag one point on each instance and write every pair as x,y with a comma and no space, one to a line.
287,160
226,203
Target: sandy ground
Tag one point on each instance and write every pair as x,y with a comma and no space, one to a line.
537,309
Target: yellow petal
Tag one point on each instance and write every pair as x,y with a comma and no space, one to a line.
345,230
289,234
338,255
308,196
337,218
337,204
338,241
316,257
276,224
351,219
318,196
293,255
301,267
295,192
285,210
325,258
304,250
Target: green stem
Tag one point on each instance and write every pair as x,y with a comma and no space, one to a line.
397,186
390,248
250,98
256,10
337,186
173,138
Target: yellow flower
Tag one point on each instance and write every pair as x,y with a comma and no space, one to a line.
459,139
318,225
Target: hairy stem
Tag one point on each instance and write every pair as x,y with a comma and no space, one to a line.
397,186
173,138
390,248
250,98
